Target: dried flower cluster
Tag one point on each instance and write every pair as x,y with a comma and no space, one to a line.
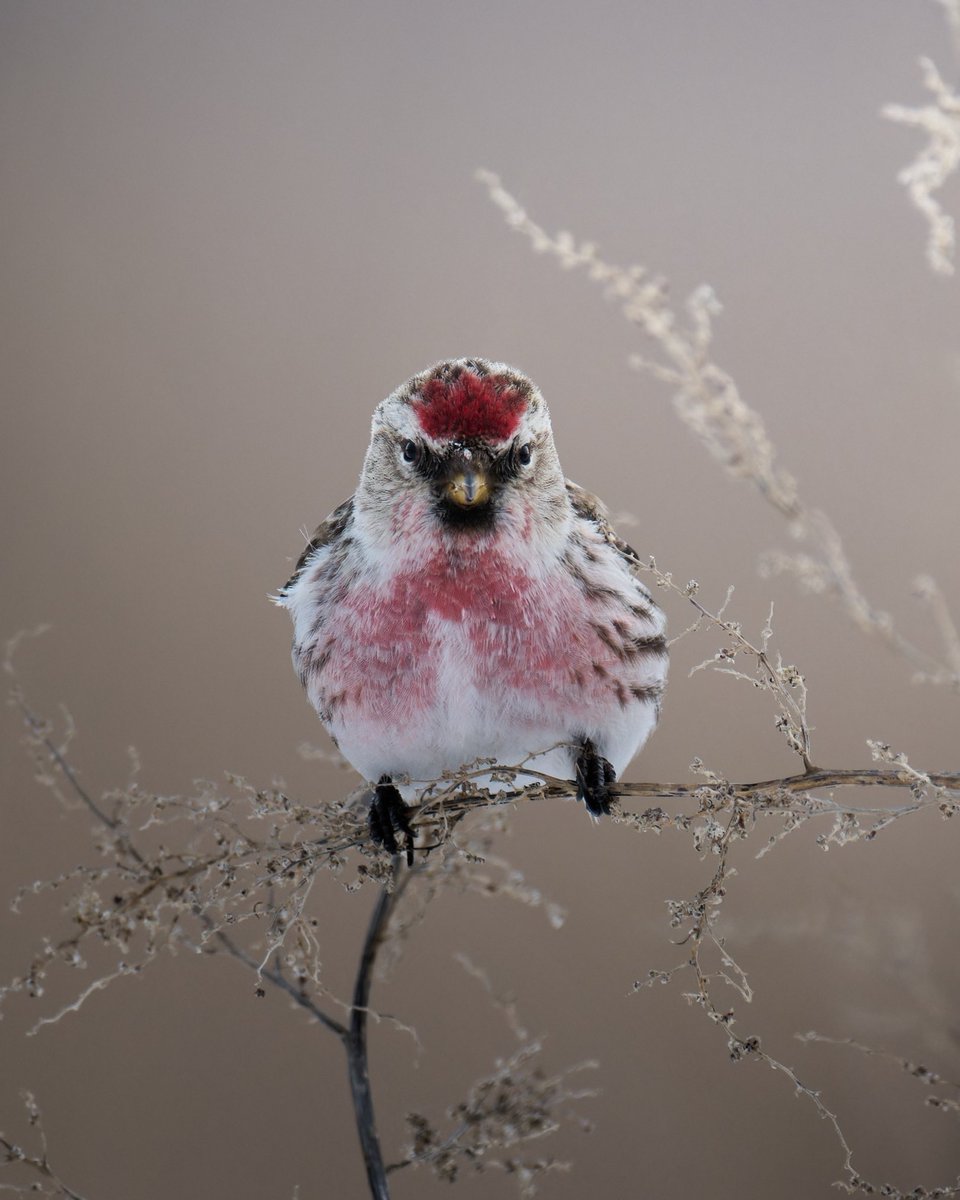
514,1105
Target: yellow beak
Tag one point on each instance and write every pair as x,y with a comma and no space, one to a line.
468,488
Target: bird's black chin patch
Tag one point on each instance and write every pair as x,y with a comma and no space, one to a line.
479,518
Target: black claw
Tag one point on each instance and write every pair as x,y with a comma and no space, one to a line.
388,817
594,777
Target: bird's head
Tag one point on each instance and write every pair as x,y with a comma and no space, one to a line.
467,445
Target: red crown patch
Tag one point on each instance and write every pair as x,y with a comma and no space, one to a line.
467,405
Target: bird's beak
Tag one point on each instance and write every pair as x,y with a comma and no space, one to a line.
468,488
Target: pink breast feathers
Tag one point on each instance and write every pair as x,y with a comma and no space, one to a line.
468,405
522,640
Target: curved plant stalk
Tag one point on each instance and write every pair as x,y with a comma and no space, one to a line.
355,1039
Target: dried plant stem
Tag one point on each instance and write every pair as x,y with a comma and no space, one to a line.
355,1041
770,791
39,1163
38,729
807,782
354,1035
15,1154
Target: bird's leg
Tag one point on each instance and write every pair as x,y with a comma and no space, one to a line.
594,776
390,816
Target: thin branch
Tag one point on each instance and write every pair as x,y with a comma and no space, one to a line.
40,1163
356,1040
38,728
924,1074
771,792
279,980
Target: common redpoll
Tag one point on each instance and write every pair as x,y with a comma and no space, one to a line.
469,603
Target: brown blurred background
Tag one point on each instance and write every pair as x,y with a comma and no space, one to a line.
229,229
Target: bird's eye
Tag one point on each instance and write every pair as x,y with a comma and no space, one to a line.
525,455
410,451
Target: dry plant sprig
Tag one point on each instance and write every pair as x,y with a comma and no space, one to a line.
46,1181
916,1070
709,403
514,1105
696,920
925,1076
225,879
706,397
222,874
783,681
517,1103
217,886
936,161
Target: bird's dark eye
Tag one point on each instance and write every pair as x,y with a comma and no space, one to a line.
525,455
410,451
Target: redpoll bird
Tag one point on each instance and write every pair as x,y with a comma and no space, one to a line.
468,602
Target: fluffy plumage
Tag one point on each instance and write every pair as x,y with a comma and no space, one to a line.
469,602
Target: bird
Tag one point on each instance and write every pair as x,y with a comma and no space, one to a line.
470,603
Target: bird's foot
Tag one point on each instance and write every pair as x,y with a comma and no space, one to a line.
594,777
389,816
